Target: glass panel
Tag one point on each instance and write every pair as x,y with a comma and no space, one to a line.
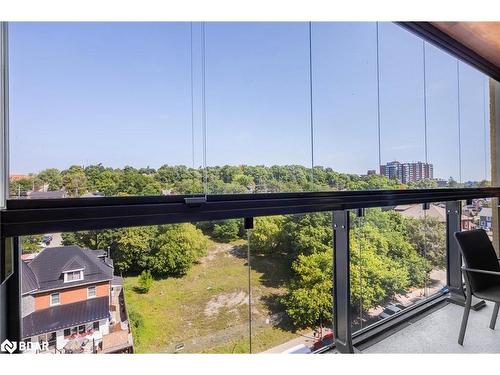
258,107
402,125
345,104
442,122
291,262
182,287
104,109
397,260
475,139
428,234
256,103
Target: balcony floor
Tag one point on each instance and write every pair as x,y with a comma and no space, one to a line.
438,333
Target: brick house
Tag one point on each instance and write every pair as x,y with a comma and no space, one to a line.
485,218
72,300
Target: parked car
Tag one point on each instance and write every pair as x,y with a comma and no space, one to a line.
326,340
47,239
390,310
298,349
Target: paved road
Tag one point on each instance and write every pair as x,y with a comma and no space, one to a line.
306,340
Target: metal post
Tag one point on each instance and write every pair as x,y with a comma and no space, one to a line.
453,256
341,283
248,225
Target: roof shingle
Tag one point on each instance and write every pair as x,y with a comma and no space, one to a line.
49,265
65,316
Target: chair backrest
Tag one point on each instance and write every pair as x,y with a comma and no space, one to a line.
478,252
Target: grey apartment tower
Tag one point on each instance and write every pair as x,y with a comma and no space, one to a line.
407,172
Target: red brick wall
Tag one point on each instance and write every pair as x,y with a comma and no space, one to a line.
70,295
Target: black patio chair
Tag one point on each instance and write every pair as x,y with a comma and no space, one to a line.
481,273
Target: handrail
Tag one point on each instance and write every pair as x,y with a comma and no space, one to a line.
25,216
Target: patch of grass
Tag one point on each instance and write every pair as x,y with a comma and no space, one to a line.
262,340
173,312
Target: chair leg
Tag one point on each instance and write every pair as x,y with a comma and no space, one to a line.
465,318
494,316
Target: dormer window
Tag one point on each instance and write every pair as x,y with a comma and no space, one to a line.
75,275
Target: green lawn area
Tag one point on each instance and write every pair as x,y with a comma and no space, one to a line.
207,310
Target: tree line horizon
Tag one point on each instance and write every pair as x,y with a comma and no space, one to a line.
180,179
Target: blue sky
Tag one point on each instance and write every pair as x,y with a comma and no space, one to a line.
120,94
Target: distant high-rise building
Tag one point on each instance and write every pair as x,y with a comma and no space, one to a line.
407,172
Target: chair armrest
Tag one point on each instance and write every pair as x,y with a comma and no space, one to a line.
480,271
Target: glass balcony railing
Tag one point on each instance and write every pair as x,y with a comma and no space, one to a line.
264,283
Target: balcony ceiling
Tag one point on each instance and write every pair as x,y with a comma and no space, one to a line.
481,37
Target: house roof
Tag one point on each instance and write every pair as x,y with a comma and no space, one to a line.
115,341
49,265
30,282
47,194
117,280
485,211
101,253
65,316
416,211
73,265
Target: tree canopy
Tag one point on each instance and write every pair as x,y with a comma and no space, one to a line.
165,250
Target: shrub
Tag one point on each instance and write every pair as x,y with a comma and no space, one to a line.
145,281
227,230
136,320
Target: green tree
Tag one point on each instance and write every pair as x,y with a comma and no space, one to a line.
31,243
429,237
375,275
132,182
20,188
51,177
423,184
102,179
267,234
307,234
74,180
145,281
92,239
133,248
176,248
309,299
227,230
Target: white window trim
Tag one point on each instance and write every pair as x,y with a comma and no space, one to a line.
59,298
71,271
88,290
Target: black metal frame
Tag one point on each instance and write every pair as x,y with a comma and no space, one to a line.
341,282
24,216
